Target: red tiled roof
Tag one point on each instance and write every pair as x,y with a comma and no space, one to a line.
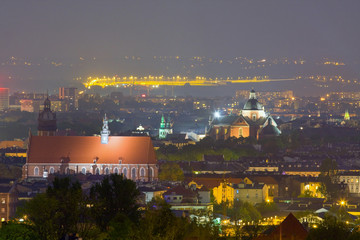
180,190
211,182
81,149
289,229
264,179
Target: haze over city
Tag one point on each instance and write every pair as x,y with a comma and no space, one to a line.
52,43
180,119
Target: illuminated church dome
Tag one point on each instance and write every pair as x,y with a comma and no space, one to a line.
253,103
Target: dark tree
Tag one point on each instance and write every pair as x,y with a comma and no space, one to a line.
114,197
59,212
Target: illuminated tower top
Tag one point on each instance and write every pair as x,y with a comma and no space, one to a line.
105,132
347,115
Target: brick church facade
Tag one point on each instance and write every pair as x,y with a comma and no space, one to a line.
252,122
132,156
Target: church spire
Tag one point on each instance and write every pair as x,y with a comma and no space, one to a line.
162,123
347,115
105,132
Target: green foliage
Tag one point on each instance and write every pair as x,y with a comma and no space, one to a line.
329,181
111,212
114,195
59,211
159,222
332,229
17,231
306,194
244,211
171,172
232,149
266,207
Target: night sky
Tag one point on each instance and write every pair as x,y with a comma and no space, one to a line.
187,28
223,28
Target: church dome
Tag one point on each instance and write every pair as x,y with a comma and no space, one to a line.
253,103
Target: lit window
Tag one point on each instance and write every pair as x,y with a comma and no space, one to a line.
3,201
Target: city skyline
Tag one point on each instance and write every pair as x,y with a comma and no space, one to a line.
55,42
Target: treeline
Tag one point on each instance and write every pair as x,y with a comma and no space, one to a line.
109,211
232,149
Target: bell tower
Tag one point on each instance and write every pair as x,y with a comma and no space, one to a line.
47,120
105,132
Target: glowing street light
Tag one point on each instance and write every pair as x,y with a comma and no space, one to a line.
217,114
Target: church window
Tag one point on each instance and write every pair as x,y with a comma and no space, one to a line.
36,171
254,117
151,173
67,170
107,172
97,171
116,170
133,173
52,170
125,172
240,132
142,172
83,170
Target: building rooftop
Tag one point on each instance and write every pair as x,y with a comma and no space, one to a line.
80,149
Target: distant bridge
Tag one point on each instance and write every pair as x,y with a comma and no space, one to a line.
156,81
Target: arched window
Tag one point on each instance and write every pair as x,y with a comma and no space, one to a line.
240,132
83,170
51,170
36,171
151,173
97,171
116,170
107,172
125,172
142,172
67,170
133,174
254,117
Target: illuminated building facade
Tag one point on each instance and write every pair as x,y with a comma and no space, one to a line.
132,156
165,127
8,201
69,97
250,123
4,98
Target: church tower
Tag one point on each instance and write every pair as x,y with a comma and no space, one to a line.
165,127
105,132
253,109
47,120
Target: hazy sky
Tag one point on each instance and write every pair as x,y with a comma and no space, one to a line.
104,28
